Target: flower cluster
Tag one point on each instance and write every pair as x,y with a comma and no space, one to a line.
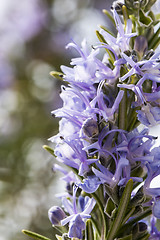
112,91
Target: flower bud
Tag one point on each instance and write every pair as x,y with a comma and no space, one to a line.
90,127
140,45
55,215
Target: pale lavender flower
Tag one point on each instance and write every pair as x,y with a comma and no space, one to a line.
112,179
90,184
71,153
146,69
153,170
136,146
148,115
76,226
83,74
107,112
154,233
69,176
89,138
121,42
77,216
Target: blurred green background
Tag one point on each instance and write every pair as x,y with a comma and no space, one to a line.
33,35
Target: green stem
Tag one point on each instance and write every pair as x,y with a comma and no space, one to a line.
95,225
121,210
122,116
89,230
101,208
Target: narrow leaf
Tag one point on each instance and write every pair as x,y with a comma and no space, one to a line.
57,75
134,220
101,39
156,43
149,5
129,214
146,237
157,16
104,219
35,235
109,16
49,149
121,210
125,14
129,237
89,230
59,237
154,39
107,30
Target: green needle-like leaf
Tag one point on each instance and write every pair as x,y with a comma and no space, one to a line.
89,230
153,40
35,235
107,30
57,75
101,39
121,210
109,16
135,220
59,237
49,149
129,237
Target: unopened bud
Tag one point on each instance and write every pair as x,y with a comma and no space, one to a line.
140,45
55,215
90,127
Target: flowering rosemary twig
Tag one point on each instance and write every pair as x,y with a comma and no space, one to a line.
112,162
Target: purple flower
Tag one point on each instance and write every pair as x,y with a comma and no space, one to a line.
76,226
148,115
107,177
68,177
76,218
107,112
153,170
121,42
154,233
147,69
156,207
83,74
90,184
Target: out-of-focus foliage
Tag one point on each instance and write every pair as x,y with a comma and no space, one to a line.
33,35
